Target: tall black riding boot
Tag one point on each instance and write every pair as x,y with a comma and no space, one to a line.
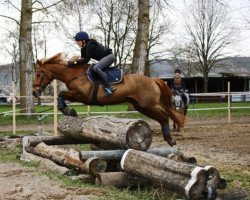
107,87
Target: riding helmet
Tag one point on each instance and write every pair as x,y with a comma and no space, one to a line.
81,36
177,71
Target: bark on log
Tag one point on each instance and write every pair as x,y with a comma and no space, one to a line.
120,180
47,163
121,133
69,159
53,140
117,154
186,179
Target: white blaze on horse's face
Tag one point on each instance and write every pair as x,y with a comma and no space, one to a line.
178,103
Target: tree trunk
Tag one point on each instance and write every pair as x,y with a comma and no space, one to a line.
120,180
188,180
69,159
52,140
142,37
205,83
121,133
47,163
26,58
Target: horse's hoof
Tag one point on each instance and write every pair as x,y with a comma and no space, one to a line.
170,140
73,113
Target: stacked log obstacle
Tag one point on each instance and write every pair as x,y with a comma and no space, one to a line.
120,133
138,166
192,181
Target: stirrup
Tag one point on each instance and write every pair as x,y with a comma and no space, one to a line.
109,90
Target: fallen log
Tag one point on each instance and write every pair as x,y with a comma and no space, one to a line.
69,159
121,133
120,180
85,178
117,154
53,140
47,163
186,179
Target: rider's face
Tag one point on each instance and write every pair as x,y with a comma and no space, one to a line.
177,74
80,43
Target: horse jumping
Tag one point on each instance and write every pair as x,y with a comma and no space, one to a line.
150,96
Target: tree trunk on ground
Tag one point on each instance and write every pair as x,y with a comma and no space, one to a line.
47,163
120,133
52,140
69,159
188,180
120,180
85,178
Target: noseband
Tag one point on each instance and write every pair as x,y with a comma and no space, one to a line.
42,84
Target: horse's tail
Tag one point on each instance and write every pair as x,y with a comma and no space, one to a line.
166,103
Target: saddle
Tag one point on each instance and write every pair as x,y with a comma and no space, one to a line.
114,75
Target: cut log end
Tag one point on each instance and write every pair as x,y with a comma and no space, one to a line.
96,165
197,184
139,136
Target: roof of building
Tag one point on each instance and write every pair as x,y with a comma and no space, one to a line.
235,66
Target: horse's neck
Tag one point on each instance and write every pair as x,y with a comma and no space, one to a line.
69,73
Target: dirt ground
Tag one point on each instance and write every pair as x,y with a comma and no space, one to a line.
211,142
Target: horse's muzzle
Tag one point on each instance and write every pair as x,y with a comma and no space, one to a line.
36,93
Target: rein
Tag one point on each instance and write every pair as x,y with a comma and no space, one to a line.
76,77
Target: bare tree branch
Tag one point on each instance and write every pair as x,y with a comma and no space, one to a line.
17,22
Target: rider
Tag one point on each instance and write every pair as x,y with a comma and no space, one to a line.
178,85
90,48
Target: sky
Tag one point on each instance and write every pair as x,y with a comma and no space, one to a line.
238,10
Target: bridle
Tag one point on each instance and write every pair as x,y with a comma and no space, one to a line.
41,85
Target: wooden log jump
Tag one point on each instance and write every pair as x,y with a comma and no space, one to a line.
54,140
186,179
91,166
120,133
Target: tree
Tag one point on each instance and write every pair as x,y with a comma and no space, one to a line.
183,59
116,22
209,32
159,28
28,8
142,37
26,57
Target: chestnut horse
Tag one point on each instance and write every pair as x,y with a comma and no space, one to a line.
150,96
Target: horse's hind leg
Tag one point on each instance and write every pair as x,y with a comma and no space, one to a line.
159,115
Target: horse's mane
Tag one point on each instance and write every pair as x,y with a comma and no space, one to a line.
53,59
59,57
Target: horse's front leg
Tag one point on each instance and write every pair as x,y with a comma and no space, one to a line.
167,135
62,106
